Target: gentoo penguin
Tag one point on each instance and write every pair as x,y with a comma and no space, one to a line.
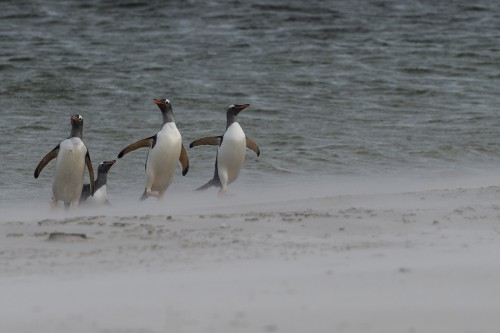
231,150
72,156
100,193
165,151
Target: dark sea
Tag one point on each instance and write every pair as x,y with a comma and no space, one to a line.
337,89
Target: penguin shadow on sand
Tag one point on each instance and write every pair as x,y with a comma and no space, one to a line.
165,151
100,196
231,149
72,156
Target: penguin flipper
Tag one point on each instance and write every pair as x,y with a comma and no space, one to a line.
88,162
144,143
253,146
45,160
184,159
206,141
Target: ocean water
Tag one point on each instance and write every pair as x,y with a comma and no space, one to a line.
336,88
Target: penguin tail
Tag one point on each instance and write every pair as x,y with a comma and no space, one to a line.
211,182
144,196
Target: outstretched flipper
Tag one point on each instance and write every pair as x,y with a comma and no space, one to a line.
184,159
144,143
253,146
47,158
91,172
206,141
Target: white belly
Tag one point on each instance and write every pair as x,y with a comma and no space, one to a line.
100,196
163,158
231,154
69,171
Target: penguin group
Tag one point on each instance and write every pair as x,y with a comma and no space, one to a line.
165,151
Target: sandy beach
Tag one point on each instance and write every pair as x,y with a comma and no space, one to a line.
315,260
373,205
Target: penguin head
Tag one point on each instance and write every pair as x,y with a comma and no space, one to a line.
236,108
166,109
162,102
232,112
76,126
106,165
76,120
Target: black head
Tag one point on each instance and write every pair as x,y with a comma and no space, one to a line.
105,166
232,112
102,173
166,109
76,126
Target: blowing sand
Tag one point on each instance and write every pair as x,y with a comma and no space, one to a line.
409,260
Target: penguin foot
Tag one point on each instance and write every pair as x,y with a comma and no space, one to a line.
155,194
149,193
54,206
224,193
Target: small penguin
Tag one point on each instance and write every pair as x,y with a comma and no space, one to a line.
230,152
100,193
72,157
165,152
